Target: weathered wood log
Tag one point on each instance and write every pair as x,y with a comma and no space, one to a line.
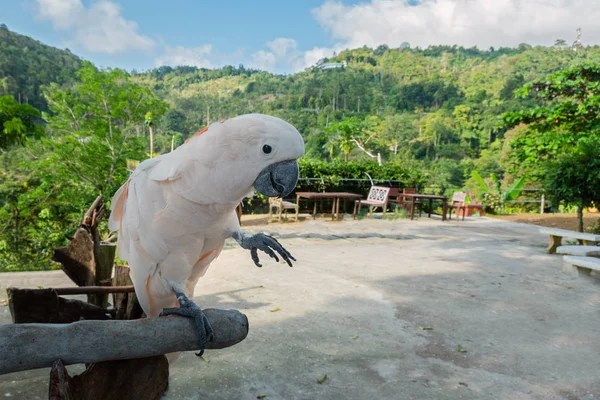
61,384
45,306
104,257
76,259
125,304
84,290
144,379
87,260
31,346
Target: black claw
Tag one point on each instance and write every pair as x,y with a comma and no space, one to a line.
270,252
269,245
254,254
282,250
189,309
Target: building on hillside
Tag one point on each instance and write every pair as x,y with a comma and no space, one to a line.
321,64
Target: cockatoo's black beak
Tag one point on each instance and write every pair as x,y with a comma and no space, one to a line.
277,180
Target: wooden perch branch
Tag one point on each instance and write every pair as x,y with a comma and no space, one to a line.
31,346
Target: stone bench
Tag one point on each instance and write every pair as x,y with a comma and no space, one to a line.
572,264
556,235
583,251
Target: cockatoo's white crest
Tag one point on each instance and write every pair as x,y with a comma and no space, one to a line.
228,157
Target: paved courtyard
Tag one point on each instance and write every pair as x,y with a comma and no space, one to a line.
387,310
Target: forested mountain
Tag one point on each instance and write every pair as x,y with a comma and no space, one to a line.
26,65
442,102
437,103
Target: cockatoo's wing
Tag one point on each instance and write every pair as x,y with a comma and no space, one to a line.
133,211
161,235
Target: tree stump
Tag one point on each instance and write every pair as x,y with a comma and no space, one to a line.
106,380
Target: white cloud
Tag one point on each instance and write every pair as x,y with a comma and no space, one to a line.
282,46
481,23
62,13
201,56
99,28
317,53
264,60
196,56
283,55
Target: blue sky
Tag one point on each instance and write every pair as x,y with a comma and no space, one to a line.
286,36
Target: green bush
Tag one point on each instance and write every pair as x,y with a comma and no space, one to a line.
333,172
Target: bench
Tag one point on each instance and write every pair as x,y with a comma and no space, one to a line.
572,263
458,203
281,206
556,235
582,251
378,197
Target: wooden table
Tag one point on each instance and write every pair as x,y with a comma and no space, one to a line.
335,196
430,197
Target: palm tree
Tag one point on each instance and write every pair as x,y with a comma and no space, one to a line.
148,122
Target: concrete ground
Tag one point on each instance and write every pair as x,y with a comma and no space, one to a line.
388,310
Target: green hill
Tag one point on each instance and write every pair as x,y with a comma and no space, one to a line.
438,103
26,64
454,95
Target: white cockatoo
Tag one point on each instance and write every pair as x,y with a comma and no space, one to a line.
175,211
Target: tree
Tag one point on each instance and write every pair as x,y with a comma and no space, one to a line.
351,133
561,44
569,113
433,128
398,131
570,101
91,133
149,123
93,127
173,120
31,223
574,179
18,122
341,134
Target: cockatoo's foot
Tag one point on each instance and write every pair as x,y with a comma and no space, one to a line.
263,242
187,308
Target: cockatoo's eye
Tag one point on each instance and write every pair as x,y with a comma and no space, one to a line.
267,149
